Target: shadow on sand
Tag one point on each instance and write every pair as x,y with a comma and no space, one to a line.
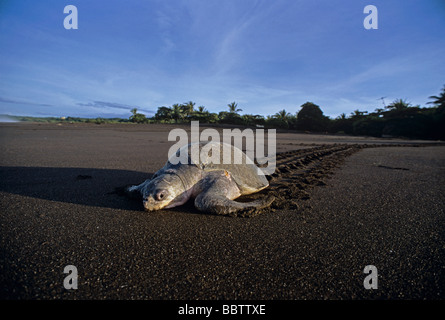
84,186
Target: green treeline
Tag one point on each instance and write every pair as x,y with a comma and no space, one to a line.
398,119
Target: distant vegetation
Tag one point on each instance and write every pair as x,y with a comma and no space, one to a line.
398,119
67,119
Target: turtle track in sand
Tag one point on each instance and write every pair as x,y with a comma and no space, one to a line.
298,171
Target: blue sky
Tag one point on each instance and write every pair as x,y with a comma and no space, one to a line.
266,55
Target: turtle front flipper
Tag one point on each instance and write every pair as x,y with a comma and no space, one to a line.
218,193
134,191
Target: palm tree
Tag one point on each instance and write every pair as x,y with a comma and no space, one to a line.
439,101
177,112
233,107
136,117
398,105
357,113
341,116
188,108
282,115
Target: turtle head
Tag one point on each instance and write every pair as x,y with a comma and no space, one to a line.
164,191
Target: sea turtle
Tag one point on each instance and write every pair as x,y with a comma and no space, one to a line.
221,173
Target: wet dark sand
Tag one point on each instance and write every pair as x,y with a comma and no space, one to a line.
381,206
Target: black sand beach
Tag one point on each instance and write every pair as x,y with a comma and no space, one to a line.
348,207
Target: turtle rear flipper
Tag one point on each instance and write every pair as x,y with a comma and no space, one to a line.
219,192
218,204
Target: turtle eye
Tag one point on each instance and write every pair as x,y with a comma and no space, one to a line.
161,195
